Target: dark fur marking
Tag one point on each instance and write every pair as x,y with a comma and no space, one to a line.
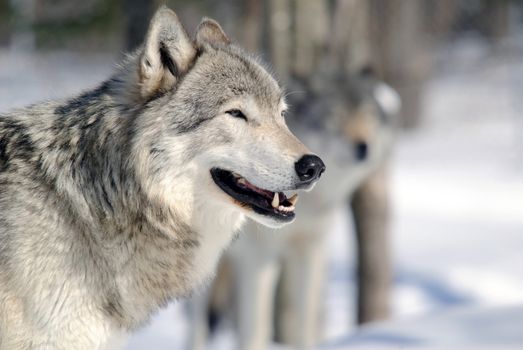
155,152
113,308
187,243
167,60
80,104
112,183
16,141
182,128
4,157
106,199
24,147
237,90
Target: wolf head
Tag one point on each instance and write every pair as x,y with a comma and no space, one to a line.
349,119
212,127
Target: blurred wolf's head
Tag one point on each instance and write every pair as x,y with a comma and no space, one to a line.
213,123
349,120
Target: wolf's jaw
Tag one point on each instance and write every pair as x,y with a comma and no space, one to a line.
247,195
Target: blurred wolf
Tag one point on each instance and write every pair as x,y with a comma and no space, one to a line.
350,121
119,200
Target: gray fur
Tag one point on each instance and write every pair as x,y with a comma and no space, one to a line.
90,242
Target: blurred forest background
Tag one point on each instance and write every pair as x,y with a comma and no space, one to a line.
436,225
397,37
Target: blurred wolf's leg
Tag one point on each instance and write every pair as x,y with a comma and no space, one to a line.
303,286
370,207
256,271
199,328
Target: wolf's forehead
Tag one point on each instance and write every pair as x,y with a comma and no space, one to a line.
244,76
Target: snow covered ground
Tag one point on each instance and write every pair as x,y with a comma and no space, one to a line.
457,191
457,328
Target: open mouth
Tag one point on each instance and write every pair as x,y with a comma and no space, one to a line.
264,202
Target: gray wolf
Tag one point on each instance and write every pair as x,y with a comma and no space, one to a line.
350,121
116,201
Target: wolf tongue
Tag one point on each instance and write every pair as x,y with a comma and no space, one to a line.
276,200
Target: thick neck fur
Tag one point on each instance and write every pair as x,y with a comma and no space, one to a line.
90,159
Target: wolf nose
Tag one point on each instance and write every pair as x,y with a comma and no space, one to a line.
361,149
309,168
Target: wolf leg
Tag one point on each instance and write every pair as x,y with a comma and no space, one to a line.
257,269
199,331
304,281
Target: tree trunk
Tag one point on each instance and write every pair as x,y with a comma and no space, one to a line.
495,19
253,25
279,43
311,28
138,13
5,25
400,46
350,45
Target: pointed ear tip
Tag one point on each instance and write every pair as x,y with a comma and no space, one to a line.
209,22
208,27
164,11
164,8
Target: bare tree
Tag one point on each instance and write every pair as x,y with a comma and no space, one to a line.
5,25
495,18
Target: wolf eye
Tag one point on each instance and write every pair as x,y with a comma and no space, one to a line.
236,113
284,113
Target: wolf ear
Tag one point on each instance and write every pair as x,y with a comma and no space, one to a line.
168,53
209,32
388,98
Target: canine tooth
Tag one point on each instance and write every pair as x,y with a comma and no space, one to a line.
293,199
241,181
276,200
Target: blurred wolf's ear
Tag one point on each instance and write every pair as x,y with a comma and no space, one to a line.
168,53
388,98
209,32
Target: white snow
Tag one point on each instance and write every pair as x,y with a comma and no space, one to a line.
459,328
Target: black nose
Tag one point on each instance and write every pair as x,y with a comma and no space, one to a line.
309,168
361,150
